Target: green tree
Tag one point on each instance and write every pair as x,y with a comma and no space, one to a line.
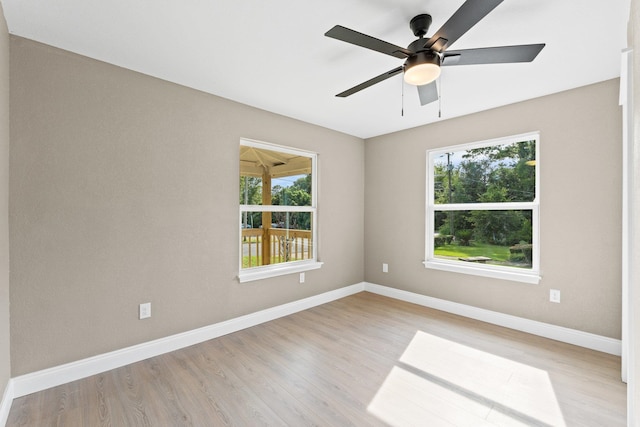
250,190
510,177
472,182
502,173
251,194
297,194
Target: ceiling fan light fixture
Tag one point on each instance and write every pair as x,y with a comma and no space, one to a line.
422,68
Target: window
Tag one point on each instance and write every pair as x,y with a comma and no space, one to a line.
483,208
278,211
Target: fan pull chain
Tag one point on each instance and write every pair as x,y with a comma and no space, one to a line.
440,98
402,99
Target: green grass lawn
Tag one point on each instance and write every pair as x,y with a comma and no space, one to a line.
496,253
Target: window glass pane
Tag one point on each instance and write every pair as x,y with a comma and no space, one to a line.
250,190
499,173
270,177
494,237
286,237
291,191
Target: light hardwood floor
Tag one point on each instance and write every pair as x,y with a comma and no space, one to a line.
364,360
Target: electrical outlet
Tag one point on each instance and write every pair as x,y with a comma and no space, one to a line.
301,277
554,295
385,267
145,310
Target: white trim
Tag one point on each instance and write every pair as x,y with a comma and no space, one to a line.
246,275
275,208
502,140
5,404
47,378
626,97
265,272
558,333
630,148
493,206
276,147
495,272
531,276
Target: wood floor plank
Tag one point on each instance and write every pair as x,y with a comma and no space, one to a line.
295,359
364,360
291,410
300,385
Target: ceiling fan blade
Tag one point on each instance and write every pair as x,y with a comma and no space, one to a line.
370,82
428,93
460,22
492,55
350,36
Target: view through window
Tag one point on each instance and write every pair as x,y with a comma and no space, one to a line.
277,206
483,206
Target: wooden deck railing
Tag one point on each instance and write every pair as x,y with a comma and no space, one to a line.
285,245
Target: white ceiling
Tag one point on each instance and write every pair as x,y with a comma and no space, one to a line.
273,54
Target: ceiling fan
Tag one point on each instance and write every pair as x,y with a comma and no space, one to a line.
424,57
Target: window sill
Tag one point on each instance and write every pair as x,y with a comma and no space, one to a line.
530,277
259,273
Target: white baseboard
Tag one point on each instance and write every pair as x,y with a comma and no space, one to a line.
558,333
47,378
5,404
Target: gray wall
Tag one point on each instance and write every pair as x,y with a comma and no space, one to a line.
124,189
5,360
580,168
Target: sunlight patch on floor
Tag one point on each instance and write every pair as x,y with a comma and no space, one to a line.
439,382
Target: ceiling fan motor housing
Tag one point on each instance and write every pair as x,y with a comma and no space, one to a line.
422,68
420,24
424,57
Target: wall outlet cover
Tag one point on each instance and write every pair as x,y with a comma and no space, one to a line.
145,310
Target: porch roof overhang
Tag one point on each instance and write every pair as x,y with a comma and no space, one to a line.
258,161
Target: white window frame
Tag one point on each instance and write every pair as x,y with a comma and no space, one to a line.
290,267
531,275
